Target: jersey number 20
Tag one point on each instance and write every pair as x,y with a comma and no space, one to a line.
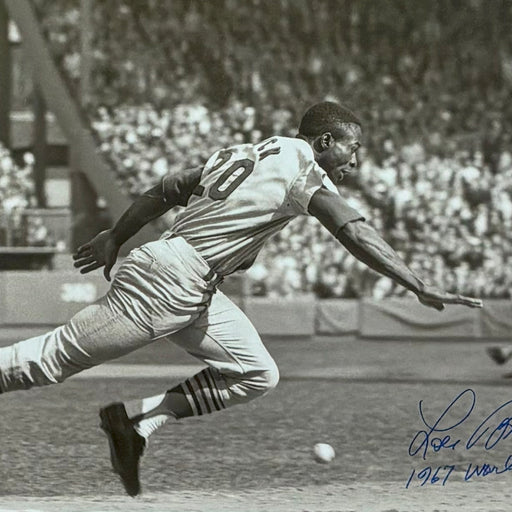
245,164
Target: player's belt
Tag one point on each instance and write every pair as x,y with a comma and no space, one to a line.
213,278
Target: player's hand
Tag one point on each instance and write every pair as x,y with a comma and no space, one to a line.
434,298
101,251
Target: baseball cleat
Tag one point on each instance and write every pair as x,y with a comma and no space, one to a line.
126,445
497,354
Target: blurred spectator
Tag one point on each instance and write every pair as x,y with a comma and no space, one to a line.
16,195
37,233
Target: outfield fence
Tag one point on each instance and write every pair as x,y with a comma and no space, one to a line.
31,298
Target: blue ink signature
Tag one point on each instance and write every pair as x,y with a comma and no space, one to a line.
431,475
496,427
487,469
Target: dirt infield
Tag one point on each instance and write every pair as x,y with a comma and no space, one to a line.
357,497
258,457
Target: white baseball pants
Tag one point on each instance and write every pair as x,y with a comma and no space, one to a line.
162,289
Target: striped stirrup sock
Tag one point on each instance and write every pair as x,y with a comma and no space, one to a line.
206,392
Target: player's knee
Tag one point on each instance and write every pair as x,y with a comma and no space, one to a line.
263,381
271,377
18,373
31,363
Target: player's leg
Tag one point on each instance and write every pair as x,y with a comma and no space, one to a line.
145,295
173,290
239,369
96,334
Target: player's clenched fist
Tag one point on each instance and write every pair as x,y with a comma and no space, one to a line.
434,298
101,251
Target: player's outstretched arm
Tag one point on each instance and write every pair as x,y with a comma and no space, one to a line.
363,241
175,189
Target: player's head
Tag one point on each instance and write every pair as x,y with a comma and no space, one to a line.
334,133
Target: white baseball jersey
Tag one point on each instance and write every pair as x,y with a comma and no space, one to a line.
247,193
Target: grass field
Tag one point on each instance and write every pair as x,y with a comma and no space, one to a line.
359,396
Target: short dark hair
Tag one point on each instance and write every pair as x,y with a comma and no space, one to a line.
326,116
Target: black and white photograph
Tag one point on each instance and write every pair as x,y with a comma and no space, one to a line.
255,255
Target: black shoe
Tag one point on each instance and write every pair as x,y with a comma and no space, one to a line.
126,445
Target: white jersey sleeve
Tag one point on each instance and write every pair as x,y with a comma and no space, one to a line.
310,178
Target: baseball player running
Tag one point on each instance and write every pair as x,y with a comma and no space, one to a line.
167,288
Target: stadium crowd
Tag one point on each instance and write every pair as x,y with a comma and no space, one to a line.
436,170
449,216
16,196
